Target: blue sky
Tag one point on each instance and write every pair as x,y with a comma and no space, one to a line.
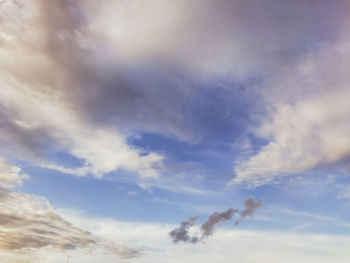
121,119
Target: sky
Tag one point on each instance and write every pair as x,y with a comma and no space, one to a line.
174,131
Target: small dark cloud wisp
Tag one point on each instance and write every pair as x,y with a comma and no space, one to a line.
182,233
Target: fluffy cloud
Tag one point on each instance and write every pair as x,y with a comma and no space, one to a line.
36,112
308,126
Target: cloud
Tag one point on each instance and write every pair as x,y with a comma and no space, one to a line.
10,176
216,218
103,71
74,83
268,246
103,149
242,37
36,100
308,121
250,208
182,233
82,74
29,224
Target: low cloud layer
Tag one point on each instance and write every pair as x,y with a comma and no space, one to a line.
182,233
28,223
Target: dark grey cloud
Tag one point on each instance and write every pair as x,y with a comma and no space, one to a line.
250,208
182,233
216,218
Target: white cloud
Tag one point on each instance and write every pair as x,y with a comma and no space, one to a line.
35,108
207,37
302,137
309,121
103,149
29,226
32,231
227,246
10,176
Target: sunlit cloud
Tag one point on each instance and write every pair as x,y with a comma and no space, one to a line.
28,223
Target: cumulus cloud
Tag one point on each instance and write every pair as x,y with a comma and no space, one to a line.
182,233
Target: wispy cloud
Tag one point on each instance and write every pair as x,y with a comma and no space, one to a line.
182,234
